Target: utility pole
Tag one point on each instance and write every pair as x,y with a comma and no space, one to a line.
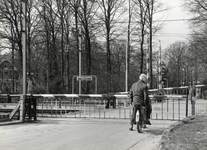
24,49
79,39
160,75
126,71
128,49
148,64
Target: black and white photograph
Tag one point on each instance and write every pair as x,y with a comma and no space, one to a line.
103,74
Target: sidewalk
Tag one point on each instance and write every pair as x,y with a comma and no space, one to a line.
81,134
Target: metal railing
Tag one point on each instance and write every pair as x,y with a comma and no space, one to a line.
200,107
82,106
169,107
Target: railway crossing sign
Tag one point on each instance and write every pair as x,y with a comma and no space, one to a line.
84,78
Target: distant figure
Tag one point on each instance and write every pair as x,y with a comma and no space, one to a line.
139,97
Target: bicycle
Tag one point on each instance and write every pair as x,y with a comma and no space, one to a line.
141,119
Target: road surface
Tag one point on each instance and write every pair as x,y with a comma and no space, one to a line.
80,134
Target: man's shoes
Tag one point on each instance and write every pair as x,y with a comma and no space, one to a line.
131,128
148,122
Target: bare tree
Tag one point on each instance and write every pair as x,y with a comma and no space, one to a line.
140,14
175,58
87,16
145,29
50,29
63,13
10,16
128,42
198,10
111,10
75,4
118,65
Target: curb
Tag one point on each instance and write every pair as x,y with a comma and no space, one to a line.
165,135
10,122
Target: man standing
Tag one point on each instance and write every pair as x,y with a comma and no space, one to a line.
139,97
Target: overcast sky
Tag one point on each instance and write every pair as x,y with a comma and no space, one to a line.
174,30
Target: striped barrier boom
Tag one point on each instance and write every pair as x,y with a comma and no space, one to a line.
119,94
88,95
66,95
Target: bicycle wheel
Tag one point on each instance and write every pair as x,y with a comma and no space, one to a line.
139,127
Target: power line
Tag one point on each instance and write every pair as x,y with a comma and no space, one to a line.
170,20
177,34
173,20
172,34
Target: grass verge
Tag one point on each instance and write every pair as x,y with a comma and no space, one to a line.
190,134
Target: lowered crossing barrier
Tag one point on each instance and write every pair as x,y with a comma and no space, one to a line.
171,107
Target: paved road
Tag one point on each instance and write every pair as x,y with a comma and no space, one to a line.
80,134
